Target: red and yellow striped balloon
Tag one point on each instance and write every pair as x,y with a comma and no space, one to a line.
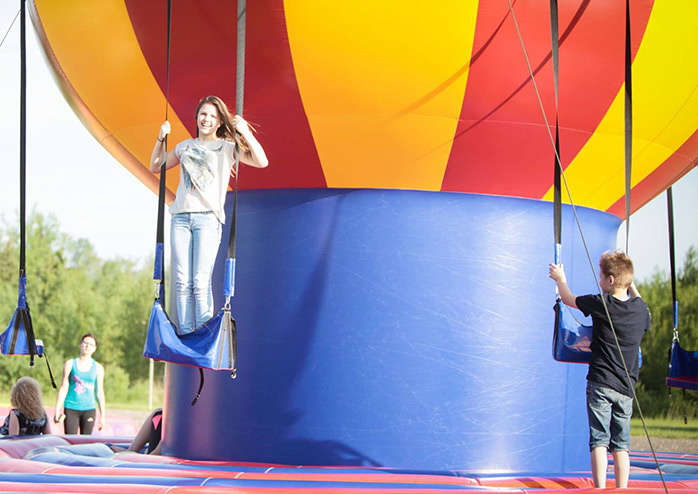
396,94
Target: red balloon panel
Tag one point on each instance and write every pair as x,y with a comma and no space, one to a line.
203,62
501,145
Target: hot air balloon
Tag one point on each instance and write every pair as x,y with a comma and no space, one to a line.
392,299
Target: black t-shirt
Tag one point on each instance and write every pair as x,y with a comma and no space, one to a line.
631,318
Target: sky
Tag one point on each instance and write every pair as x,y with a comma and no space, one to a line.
70,175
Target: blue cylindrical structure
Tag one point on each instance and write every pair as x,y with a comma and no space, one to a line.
406,329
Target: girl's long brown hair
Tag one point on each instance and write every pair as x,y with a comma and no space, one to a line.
225,131
25,396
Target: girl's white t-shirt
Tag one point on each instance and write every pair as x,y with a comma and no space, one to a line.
203,177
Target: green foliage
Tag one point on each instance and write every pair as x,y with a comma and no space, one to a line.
672,428
652,392
117,382
71,291
136,396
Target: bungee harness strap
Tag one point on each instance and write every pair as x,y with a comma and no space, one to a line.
628,123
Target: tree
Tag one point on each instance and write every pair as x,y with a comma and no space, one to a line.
71,292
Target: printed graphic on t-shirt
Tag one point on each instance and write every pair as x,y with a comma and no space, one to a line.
197,169
81,386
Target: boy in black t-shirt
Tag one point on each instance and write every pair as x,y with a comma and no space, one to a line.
609,394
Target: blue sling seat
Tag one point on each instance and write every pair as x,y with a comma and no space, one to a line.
571,339
683,368
18,338
683,364
213,345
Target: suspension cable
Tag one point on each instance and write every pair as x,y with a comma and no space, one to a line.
9,28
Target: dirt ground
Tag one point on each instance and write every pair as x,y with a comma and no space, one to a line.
660,444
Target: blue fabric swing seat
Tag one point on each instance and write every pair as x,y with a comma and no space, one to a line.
18,338
14,341
211,346
683,368
571,339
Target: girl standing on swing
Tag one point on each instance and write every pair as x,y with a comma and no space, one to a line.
197,211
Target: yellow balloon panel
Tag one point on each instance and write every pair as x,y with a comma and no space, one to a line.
385,105
107,67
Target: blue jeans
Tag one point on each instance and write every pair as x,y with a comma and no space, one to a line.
194,238
609,417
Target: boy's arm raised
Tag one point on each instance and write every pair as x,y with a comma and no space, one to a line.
632,290
557,273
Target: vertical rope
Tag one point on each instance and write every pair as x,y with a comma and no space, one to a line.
167,63
240,68
10,28
239,100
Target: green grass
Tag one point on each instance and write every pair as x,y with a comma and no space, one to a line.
670,428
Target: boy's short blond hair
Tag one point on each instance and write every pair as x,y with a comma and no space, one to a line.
619,265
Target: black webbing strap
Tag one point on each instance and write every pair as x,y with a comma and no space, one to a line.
201,386
22,140
160,234
672,255
628,123
226,334
672,268
48,366
557,169
674,297
233,349
23,318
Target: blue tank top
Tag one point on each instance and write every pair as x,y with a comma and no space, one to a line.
81,391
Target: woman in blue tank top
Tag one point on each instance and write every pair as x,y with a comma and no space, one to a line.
82,389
